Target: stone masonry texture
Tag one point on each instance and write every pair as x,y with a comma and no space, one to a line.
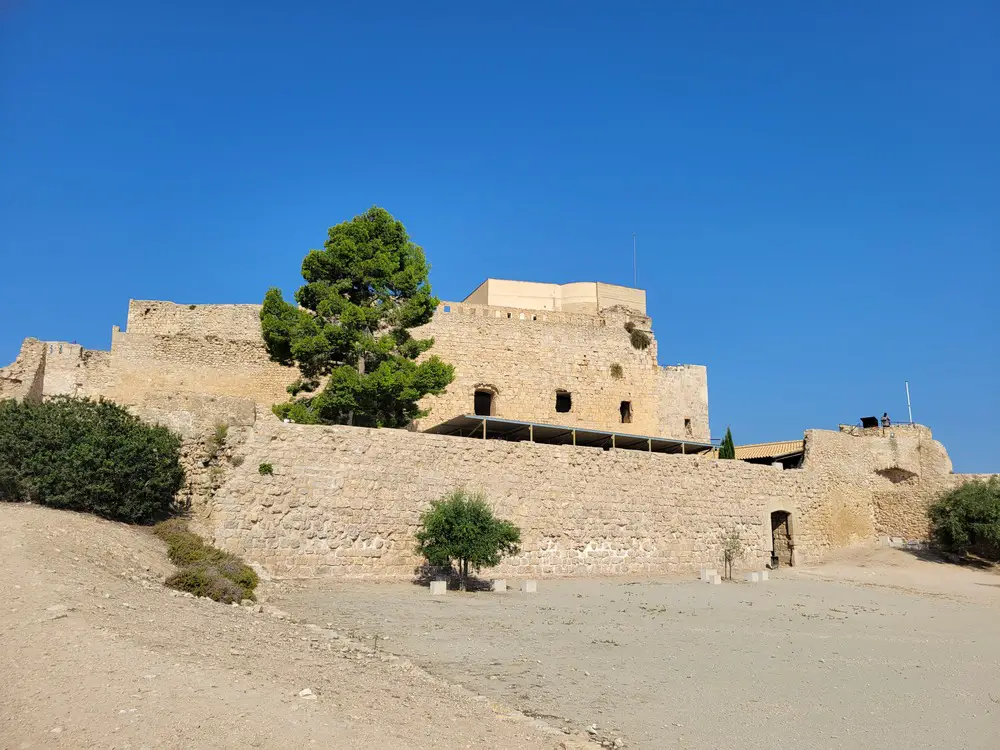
346,501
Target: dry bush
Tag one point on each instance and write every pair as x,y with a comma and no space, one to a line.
222,575
640,339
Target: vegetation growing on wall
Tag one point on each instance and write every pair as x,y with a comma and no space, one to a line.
640,339
461,527
351,326
616,371
205,570
91,456
967,519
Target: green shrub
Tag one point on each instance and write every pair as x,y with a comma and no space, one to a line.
462,527
202,564
629,326
265,470
967,519
617,373
91,456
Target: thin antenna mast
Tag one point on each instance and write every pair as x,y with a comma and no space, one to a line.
635,272
908,407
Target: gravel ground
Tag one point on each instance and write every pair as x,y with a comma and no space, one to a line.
892,652
95,652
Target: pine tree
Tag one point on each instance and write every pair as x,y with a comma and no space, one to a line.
727,449
350,332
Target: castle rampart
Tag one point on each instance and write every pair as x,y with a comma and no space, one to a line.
345,501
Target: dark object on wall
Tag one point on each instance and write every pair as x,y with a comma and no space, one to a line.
869,422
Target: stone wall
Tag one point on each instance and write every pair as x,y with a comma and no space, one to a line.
346,501
24,377
523,356
526,356
902,469
682,392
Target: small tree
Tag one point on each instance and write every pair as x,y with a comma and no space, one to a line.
727,449
734,547
364,291
461,527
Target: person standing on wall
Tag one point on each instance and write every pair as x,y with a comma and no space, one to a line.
886,422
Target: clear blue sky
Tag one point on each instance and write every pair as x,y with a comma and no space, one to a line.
815,186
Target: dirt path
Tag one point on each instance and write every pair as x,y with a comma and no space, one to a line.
97,653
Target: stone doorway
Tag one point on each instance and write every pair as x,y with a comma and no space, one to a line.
781,539
484,403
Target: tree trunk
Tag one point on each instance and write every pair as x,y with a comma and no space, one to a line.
463,574
361,371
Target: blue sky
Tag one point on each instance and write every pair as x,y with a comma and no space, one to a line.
815,187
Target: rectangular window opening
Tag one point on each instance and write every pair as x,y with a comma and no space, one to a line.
483,403
687,426
626,412
447,308
564,401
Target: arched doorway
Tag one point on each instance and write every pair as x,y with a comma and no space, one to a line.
782,544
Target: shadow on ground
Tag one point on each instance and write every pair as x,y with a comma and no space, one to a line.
424,574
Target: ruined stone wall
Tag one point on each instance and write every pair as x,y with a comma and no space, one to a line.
346,501
526,356
523,356
212,350
901,469
23,378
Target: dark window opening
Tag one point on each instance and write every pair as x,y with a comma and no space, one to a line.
483,403
508,316
687,426
626,411
564,401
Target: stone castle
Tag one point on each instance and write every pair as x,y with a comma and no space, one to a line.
558,412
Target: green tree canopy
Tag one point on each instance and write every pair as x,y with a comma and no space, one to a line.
461,527
967,519
727,449
364,290
86,455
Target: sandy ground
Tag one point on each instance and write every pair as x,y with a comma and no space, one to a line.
876,649
95,652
